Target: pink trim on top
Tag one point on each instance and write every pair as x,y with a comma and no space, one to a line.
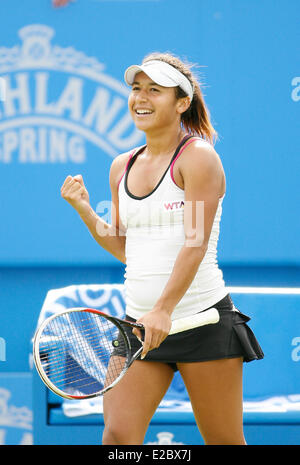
130,157
178,155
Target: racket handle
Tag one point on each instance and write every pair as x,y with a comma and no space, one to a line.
207,317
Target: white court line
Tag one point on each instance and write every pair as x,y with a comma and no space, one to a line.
263,290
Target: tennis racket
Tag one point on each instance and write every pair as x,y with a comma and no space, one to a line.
81,353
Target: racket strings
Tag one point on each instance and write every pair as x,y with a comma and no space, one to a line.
76,352
58,351
69,374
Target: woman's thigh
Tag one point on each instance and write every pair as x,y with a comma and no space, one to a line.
130,405
216,393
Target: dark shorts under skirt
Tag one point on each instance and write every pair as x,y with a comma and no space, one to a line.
229,338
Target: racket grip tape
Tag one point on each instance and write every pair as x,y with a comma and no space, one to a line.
206,317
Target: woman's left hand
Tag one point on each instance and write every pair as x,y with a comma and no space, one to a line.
157,325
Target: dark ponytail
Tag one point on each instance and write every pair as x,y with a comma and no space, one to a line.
196,120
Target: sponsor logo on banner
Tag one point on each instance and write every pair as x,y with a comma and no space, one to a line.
55,100
13,419
295,94
296,350
2,89
165,438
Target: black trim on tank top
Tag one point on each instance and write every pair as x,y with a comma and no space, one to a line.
184,140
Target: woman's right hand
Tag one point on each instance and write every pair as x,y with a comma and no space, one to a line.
74,191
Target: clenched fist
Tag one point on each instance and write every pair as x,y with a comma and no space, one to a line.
74,191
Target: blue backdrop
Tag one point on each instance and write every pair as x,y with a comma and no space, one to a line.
63,110
66,112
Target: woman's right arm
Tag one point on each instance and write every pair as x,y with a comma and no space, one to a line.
112,236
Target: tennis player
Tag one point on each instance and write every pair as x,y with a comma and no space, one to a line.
167,202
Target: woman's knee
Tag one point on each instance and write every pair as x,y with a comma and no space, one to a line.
112,436
121,435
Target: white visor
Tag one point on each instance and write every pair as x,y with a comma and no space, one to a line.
162,74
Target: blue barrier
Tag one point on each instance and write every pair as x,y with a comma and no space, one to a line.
271,390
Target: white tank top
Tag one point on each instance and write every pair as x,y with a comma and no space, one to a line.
154,236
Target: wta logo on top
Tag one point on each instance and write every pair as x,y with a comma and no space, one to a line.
56,101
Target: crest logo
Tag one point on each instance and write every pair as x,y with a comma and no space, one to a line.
2,350
55,100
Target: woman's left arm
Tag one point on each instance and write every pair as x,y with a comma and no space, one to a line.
203,177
